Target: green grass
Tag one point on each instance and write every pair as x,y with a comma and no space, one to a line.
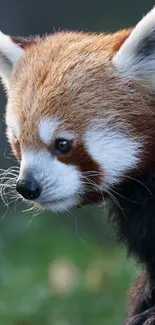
50,276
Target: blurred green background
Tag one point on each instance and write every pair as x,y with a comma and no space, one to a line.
62,269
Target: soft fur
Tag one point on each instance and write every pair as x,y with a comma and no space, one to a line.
96,92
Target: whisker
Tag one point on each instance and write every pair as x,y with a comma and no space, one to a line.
76,225
8,179
122,196
116,202
138,181
29,222
18,201
29,209
95,186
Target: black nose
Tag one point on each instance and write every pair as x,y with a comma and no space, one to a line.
29,189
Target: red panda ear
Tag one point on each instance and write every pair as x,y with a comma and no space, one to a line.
11,49
136,57
24,42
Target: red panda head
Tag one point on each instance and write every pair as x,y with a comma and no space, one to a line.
81,111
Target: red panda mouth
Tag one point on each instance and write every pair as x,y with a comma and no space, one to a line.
90,198
54,201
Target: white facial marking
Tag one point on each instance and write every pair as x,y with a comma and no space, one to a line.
47,128
61,184
115,152
67,135
13,126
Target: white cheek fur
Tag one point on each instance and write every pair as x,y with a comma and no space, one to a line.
115,152
59,181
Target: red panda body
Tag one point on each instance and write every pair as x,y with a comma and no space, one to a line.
81,120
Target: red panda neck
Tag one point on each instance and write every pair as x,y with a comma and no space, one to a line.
136,219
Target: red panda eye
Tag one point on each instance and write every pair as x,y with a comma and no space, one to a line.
62,146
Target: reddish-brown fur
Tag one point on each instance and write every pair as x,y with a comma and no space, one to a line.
71,76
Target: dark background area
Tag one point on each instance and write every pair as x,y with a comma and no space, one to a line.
66,269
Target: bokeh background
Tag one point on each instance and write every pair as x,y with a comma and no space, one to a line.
64,269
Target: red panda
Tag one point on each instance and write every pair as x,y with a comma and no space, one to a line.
80,118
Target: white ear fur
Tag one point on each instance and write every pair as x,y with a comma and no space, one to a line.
10,52
136,57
